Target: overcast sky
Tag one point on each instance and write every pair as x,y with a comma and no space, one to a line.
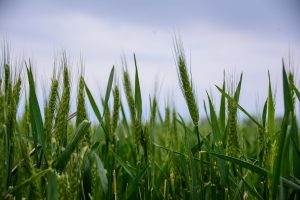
250,37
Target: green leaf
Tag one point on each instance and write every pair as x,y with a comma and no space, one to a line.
290,108
288,101
137,93
127,168
87,176
35,114
108,89
240,107
251,188
101,171
214,122
242,163
62,160
52,186
222,112
95,107
291,184
89,158
295,145
217,142
86,189
28,181
161,121
296,92
264,114
271,109
280,155
297,150
282,137
238,89
206,112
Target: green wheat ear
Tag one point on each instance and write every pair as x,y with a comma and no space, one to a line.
136,126
187,87
153,109
81,109
17,90
129,94
233,147
81,113
186,83
107,120
116,106
13,105
291,83
49,114
26,119
167,120
61,123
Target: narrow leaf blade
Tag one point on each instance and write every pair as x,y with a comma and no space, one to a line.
64,157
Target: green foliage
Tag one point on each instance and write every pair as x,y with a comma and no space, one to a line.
155,156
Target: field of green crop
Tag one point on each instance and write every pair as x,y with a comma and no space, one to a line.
50,152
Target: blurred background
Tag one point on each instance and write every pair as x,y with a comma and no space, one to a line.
250,37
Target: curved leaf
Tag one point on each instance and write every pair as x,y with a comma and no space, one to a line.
64,157
35,114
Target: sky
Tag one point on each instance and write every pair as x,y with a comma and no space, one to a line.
249,37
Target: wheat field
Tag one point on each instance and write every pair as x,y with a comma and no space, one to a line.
50,152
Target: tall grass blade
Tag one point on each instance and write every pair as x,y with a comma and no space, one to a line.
282,137
35,114
87,176
52,186
137,92
296,92
127,168
291,184
101,171
271,109
238,89
95,107
108,89
222,111
264,114
288,101
214,123
242,163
